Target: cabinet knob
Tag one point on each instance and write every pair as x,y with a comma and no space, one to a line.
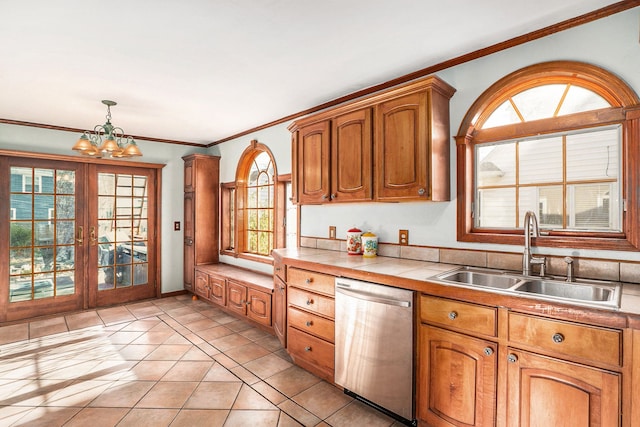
333,196
453,315
324,197
307,348
557,337
309,301
421,191
308,280
278,268
309,323
488,351
512,358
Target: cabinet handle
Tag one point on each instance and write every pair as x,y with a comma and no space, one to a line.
80,238
512,358
557,338
93,238
488,351
453,315
309,301
421,191
309,323
247,303
307,348
278,268
324,197
333,196
308,280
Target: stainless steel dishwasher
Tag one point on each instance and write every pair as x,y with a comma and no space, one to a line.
374,345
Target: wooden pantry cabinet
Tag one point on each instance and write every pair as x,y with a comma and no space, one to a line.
201,181
391,146
483,366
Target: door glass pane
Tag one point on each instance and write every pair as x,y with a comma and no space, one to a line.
122,231
42,227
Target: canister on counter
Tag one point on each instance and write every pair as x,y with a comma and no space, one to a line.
354,242
369,244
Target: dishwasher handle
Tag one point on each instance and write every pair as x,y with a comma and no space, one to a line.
367,296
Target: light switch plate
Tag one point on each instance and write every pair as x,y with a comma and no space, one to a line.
403,237
332,232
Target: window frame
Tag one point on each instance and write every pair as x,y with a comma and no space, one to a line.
233,198
625,111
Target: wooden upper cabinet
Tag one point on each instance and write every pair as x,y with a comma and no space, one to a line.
313,146
401,148
351,144
402,134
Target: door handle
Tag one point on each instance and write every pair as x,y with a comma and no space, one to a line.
80,235
93,240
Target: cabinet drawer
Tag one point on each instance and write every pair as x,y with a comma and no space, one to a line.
574,340
316,282
315,325
458,315
311,302
311,349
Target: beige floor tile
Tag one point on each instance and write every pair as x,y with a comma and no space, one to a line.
14,333
270,393
116,315
177,338
11,414
159,337
122,394
301,415
238,325
269,342
148,418
149,370
167,395
323,399
97,417
169,352
188,370
143,325
200,417
225,361
267,366
196,354
214,333
286,421
144,311
248,398
124,337
78,394
47,417
247,353
31,392
255,334
42,328
224,318
82,320
137,351
220,373
252,418
356,413
189,318
292,381
214,395
202,324
245,375
229,342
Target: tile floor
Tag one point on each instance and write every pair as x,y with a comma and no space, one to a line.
167,362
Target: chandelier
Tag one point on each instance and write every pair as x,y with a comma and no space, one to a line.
115,143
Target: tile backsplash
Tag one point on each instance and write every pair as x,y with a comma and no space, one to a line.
587,268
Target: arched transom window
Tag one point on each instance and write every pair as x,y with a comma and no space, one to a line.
260,205
553,139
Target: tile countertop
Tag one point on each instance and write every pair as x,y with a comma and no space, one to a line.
415,274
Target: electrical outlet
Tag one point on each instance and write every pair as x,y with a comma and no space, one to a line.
403,237
176,225
332,232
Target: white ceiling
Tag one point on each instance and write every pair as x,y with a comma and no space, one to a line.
202,70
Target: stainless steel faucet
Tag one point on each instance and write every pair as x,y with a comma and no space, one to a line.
528,260
570,276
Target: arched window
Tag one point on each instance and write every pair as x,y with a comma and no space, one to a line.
557,139
254,206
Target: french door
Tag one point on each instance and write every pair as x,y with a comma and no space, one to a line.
74,236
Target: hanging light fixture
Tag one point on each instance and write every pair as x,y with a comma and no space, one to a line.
115,143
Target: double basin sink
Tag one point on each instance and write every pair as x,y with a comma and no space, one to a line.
581,292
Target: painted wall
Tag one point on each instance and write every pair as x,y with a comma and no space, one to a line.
611,43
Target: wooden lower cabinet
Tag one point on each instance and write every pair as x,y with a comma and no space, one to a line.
280,309
543,391
457,377
249,302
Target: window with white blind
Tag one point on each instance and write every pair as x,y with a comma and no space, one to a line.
571,181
